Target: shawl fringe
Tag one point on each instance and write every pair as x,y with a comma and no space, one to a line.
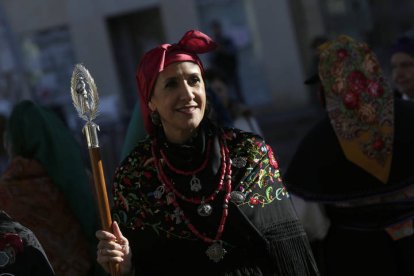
289,245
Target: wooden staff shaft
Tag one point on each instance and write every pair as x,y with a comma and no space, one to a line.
102,197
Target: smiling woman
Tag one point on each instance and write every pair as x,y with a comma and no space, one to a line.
193,198
180,99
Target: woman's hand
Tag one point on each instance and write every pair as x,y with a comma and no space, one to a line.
114,248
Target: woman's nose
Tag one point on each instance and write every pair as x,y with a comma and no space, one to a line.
187,92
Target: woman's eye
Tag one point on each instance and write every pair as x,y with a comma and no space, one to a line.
194,80
171,84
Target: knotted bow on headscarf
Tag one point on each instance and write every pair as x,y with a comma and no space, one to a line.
360,104
154,61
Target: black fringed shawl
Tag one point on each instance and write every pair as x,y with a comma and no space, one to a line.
262,235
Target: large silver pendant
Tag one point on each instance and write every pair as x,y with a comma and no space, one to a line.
204,209
216,252
195,184
237,197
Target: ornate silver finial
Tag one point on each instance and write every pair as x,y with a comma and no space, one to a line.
86,101
84,93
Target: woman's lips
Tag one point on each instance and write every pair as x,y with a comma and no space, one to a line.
187,109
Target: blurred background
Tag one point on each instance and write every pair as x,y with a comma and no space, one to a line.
274,43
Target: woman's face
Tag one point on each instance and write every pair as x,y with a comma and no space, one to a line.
403,73
180,99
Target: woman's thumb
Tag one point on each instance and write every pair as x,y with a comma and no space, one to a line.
116,231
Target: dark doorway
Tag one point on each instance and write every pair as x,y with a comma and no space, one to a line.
131,35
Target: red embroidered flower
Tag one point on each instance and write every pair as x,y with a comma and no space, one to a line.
357,81
126,182
254,201
342,54
259,144
378,144
375,89
271,156
350,100
11,240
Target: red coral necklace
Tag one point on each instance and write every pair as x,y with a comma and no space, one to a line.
195,182
215,251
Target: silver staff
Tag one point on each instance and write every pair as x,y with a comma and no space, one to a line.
86,101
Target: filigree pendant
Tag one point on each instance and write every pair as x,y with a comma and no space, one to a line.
204,209
216,252
195,184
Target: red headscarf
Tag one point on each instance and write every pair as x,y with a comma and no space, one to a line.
154,61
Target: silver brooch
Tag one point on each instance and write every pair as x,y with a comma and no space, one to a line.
237,197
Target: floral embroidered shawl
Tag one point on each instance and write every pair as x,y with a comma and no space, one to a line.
262,236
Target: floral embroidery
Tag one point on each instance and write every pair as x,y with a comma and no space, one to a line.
10,245
141,202
360,107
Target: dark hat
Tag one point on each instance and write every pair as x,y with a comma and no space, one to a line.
404,44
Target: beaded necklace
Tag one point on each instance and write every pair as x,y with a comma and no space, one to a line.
187,173
193,200
195,182
215,251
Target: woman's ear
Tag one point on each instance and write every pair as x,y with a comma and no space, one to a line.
151,106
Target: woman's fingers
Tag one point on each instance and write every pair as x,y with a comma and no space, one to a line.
104,235
113,247
121,240
108,249
117,232
105,257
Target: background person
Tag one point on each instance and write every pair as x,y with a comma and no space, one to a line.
241,116
47,189
402,65
225,61
356,164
